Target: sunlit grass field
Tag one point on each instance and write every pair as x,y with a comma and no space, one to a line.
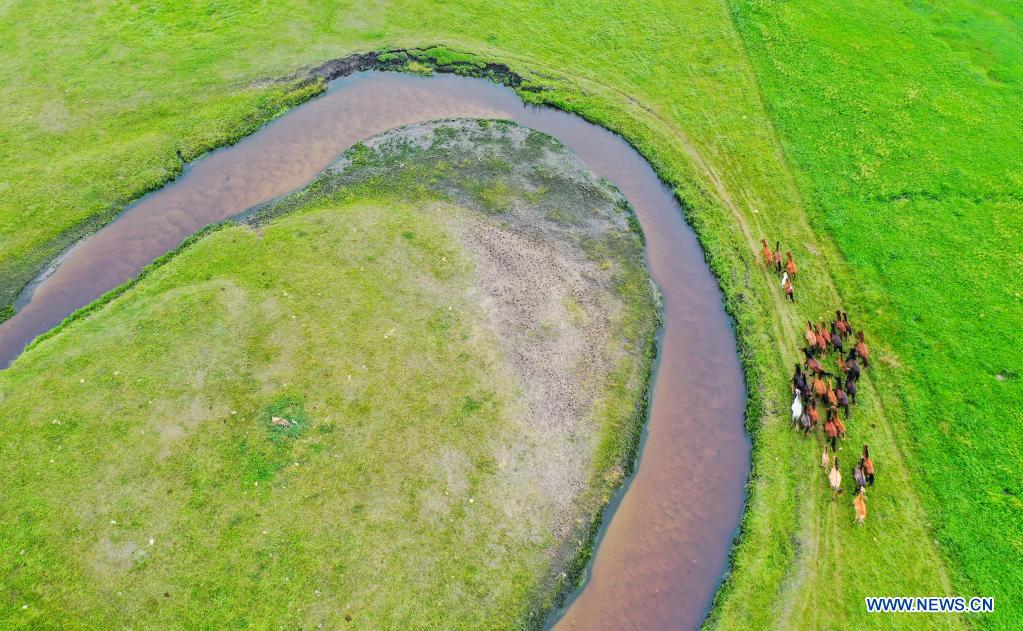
312,424
903,123
880,142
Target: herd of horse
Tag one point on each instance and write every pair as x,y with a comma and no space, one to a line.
832,391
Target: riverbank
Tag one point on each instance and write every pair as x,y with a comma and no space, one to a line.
480,379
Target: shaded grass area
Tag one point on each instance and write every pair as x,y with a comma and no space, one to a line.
900,121
153,486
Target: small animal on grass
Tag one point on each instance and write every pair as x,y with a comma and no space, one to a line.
825,459
868,465
832,432
835,479
786,285
765,251
843,399
281,422
859,476
850,389
790,266
862,350
845,318
776,257
830,394
860,506
797,407
799,381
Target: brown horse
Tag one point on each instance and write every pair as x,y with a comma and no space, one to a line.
868,465
820,388
790,266
811,412
832,431
839,425
862,350
812,363
776,257
840,324
811,337
786,286
860,506
822,339
765,252
830,394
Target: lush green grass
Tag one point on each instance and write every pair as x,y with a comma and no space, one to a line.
903,123
81,135
150,487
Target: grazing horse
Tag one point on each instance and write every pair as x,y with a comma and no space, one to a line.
845,318
850,389
830,394
862,350
765,252
790,266
835,479
843,400
860,506
776,257
825,460
868,466
799,381
805,422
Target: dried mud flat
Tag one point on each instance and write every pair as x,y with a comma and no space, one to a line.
560,282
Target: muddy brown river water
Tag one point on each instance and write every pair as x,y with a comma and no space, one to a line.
664,544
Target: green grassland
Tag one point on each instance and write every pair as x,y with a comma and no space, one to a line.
903,123
877,141
149,487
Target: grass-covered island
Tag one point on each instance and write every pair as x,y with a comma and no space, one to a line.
398,397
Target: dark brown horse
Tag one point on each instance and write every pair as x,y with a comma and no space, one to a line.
868,465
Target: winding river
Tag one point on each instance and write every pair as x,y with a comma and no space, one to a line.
664,545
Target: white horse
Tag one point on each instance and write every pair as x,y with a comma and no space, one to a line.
797,408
